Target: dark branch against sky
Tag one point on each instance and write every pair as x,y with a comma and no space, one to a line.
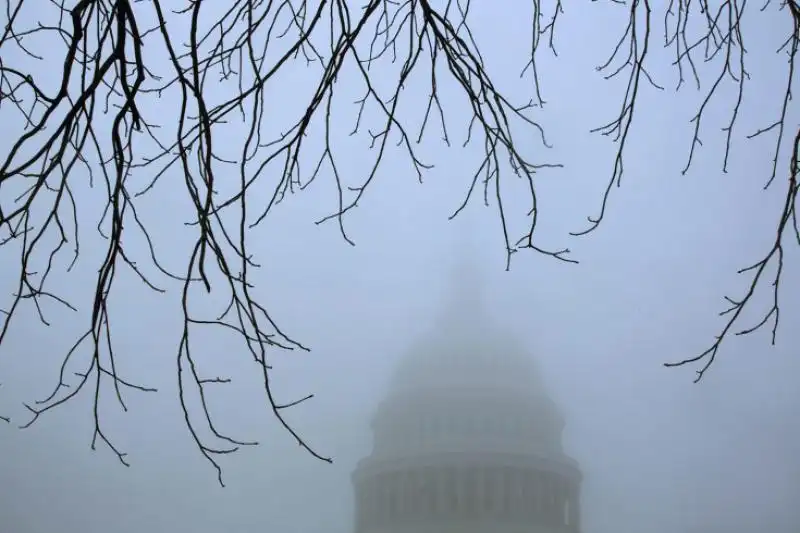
110,99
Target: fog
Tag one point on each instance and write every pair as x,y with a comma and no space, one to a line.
658,452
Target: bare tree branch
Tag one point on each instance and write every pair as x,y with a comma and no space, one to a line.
725,37
104,119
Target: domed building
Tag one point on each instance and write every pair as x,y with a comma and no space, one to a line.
467,439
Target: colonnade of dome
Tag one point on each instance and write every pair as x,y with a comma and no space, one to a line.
486,493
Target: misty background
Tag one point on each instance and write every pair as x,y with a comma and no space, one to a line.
659,453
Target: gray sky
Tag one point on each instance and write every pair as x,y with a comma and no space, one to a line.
658,452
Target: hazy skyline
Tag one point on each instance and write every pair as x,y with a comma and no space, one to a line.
658,452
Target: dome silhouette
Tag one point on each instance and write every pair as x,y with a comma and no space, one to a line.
467,437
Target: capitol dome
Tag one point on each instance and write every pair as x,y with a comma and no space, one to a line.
467,438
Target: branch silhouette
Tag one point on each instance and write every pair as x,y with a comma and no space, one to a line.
117,58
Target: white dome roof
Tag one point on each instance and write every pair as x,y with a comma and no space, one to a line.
478,357
467,385
465,347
